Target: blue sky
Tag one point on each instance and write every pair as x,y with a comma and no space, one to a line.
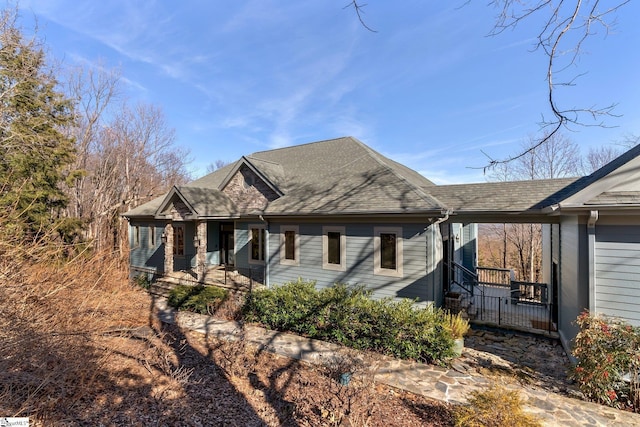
428,89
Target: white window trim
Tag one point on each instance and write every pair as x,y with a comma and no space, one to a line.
325,248
283,242
264,244
377,254
152,236
136,236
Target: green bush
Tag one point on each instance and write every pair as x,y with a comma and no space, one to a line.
199,299
608,350
286,308
349,316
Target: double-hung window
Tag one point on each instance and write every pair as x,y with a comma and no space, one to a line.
289,245
334,248
257,244
387,247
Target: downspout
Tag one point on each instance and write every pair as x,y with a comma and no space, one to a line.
267,257
591,233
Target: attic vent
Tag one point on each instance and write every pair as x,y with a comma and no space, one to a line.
249,180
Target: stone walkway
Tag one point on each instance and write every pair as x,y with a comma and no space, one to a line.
541,363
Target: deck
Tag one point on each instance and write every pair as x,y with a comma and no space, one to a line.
492,296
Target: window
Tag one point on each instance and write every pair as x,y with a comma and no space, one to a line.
289,245
178,240
136,236
387,255
152,236
257,240
334,248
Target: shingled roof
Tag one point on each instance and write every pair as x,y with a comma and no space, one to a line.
343,176
338,176
511,196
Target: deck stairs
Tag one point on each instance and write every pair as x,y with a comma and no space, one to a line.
462,289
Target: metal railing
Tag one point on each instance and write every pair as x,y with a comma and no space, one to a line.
502,311
464,278
529,292
495,276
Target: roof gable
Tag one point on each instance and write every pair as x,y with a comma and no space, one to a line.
621,175
248,191
175,206
245,164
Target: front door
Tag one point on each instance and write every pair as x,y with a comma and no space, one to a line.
179,256
227,243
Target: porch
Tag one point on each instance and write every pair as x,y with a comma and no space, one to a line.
236,279
491,296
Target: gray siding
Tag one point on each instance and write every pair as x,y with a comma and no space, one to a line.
469,246
574,276
359,261
434,264
618,272
144,256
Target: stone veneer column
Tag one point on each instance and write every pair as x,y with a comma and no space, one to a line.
201,250
168,249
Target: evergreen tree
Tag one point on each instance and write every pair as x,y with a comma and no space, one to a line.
35,154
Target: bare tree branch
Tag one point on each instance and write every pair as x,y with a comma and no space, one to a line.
565,28
359,8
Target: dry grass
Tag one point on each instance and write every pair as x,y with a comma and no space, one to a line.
495,407
81,346
53,318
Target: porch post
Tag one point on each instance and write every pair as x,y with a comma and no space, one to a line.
201,249
168,248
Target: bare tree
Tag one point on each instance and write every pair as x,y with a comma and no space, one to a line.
598,157
127,154
94,90
558,158
212,167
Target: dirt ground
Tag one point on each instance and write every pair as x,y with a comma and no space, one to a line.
179,378
81,346
94,355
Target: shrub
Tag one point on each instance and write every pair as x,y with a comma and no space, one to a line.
494,407
199,299
142,280
349,316
289,307
457,325
608,350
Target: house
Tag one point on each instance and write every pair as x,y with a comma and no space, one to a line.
337,211
330,211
